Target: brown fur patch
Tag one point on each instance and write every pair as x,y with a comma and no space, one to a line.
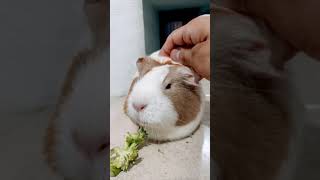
49,145
145,65
78,62
184,96
97,24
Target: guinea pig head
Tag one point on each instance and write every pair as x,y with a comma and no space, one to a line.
163,95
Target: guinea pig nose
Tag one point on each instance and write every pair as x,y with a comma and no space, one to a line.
139,107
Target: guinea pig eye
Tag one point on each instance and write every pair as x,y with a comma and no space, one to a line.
168,86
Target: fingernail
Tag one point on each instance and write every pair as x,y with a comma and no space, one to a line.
175,55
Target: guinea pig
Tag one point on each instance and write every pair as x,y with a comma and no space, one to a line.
77,140
253,125
77,136
165,98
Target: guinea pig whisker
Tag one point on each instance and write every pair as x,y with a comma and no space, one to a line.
162,125
153,132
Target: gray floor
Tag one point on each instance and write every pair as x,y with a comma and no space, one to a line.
186,159
21,158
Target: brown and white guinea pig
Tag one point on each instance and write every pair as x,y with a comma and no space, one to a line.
165,98
252,105
77,140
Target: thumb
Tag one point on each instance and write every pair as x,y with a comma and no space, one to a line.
183,56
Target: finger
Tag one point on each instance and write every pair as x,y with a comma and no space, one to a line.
183,56
198,58
179,37
163,53
175,55
201,59
174,39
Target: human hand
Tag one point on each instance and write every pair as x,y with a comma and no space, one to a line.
296,22
190,45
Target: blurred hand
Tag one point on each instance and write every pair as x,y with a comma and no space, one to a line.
190,45
296,21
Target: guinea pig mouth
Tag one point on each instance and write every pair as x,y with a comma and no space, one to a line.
140,122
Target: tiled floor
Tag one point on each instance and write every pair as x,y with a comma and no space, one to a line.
187,159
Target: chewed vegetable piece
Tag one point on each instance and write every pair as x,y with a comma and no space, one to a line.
122,158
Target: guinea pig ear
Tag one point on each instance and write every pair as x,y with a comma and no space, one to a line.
140,65
145,64
190,76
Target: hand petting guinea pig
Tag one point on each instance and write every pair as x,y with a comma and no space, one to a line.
165,98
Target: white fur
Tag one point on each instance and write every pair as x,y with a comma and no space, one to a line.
85,113
148,91
161,59
159,117
156,56
177,132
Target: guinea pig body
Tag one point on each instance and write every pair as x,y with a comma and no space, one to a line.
77,138
165,98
